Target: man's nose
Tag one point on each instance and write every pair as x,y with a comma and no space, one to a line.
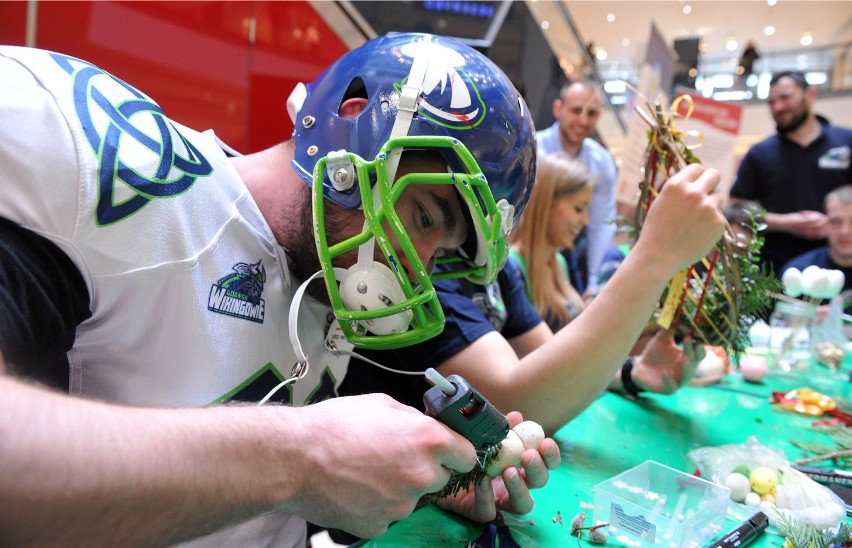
427,251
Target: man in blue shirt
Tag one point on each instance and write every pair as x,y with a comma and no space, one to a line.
577,111
791,172
837,255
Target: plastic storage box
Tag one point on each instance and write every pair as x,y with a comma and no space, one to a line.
655,505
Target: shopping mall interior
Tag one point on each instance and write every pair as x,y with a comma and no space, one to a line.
245,57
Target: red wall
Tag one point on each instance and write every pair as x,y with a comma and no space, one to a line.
194,58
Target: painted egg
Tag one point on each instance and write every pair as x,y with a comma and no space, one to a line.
753,369
763,480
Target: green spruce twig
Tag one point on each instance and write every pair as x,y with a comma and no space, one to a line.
463,480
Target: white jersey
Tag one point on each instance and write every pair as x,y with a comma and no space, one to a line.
189,289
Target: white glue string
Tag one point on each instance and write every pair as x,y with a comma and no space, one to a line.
329,345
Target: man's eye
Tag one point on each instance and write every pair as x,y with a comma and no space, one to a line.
425,220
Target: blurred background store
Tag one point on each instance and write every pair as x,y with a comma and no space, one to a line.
231,65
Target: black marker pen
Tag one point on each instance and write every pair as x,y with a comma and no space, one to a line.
745,533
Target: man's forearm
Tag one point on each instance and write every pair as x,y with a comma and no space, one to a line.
80,472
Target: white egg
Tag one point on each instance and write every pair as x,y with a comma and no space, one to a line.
712,365
792,279
739,486
821,285
822,517
810,277
510,453
836,281
531,434
752,499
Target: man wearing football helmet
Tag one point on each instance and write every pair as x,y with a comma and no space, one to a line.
145,272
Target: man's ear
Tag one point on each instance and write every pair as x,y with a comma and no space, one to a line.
557,107
352,107
812,94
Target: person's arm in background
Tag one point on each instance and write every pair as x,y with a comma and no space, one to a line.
602,226
682,225
811,225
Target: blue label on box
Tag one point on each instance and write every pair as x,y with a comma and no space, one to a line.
637,526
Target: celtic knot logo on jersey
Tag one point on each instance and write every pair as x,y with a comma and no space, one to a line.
445,74
141,156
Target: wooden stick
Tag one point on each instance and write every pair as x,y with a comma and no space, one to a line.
832,455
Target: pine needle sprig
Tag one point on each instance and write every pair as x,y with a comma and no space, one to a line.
758,284
463,480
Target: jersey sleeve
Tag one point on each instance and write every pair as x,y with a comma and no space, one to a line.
43,295
39,166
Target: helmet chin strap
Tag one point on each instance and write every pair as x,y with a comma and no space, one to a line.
367,274
409,97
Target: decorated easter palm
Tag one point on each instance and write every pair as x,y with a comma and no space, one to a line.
716,300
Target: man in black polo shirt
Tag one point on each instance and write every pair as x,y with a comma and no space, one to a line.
791,172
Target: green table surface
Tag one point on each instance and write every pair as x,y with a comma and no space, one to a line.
615,434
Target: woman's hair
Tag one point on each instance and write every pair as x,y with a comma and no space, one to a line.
557,176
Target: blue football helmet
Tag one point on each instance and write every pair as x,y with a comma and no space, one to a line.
421,92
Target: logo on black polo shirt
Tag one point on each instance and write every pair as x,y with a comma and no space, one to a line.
239,294
836,158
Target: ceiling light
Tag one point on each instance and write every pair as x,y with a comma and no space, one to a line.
615,86
816,78
545,25
600,54
610,17
687,9
807,39
771,2
768,30
625,42
731,44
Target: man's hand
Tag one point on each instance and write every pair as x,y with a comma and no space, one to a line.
663,367
372,459
683,222
511,491
811,225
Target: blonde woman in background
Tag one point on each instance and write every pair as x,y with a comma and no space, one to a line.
556,213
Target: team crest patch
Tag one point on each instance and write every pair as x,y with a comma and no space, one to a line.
239,294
